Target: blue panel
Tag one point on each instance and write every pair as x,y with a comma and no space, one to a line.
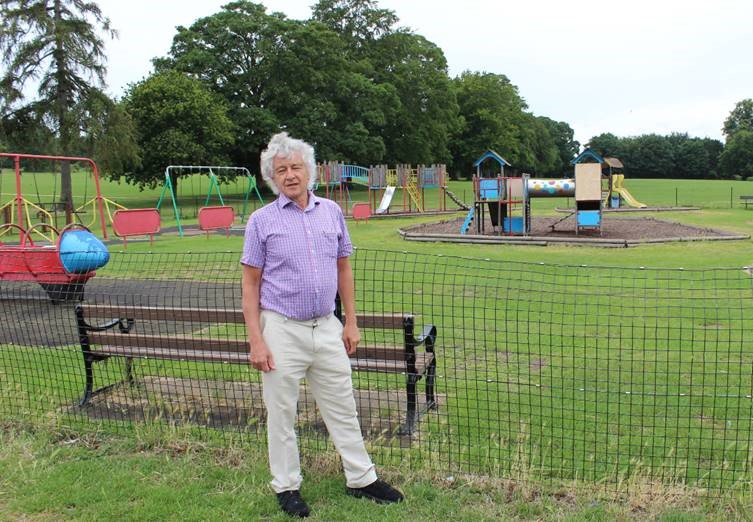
468,220
488,188
589,218
517,225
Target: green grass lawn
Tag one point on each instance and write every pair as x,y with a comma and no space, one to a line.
645,381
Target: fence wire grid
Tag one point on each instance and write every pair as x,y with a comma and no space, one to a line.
545,372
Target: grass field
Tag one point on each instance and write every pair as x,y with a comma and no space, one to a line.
654,333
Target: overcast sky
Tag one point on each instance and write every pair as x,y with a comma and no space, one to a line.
627,67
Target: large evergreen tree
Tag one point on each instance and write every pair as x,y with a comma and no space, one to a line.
57,43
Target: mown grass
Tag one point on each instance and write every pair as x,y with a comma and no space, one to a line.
50,472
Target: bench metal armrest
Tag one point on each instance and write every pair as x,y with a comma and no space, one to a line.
428,337
124,324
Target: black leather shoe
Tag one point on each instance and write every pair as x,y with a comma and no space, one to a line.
378,491
292,504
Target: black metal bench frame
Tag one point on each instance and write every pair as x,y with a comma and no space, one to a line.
746,200
116,338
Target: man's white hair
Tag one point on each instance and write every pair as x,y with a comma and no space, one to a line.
283,146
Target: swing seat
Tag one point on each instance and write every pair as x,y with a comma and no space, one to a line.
214,218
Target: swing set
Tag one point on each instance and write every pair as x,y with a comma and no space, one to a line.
210,217
26,214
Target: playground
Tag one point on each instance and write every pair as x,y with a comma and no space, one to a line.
548,371
615,230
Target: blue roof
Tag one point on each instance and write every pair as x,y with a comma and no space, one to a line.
491,154
586,154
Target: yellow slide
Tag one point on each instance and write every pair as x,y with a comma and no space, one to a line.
618,187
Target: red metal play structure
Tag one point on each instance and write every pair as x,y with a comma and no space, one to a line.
19,210
27,261
46,264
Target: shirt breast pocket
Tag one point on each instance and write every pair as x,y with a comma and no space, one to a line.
330,243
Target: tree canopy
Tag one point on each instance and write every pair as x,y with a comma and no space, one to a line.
654,156
180,122
350,80
741,118
737,158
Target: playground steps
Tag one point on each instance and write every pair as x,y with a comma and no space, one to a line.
466,226
456,199
412,188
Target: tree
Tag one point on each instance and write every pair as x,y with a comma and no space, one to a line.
419,130
25,129
491,112
179,122
737,157
275,74
422,114
741,118
538,152
358,22
108,134
607,145
58,43
564,141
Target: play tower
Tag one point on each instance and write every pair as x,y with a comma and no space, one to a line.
507,199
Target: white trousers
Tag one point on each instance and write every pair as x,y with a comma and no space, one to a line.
313,350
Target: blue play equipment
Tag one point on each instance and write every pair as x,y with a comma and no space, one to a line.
507,199
81,251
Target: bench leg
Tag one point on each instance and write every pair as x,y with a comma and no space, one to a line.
129,370
431,399
411,413
88,360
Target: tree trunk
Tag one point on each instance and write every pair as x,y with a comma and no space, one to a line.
62,115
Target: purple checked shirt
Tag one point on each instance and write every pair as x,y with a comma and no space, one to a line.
297,251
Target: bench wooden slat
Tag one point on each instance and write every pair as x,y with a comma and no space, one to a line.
358,364
216,315
174,354
169,342
164,313
422,362
184,342
379,320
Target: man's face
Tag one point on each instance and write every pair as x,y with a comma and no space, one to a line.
291,177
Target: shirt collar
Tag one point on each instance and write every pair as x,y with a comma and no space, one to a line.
283,201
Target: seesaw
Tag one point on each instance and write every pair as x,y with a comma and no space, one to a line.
61,269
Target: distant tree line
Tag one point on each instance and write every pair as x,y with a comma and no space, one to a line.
350,80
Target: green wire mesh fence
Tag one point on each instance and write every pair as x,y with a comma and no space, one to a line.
541,371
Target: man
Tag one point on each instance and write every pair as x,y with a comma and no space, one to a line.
295,260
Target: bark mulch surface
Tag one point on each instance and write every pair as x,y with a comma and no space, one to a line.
641,228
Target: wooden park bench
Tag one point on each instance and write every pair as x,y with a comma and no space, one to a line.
132,331
746,200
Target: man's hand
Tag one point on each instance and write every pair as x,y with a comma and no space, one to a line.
351,337
261,358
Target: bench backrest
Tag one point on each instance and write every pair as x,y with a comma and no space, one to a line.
138,326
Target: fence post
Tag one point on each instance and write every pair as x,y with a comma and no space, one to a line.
730,197
676,204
